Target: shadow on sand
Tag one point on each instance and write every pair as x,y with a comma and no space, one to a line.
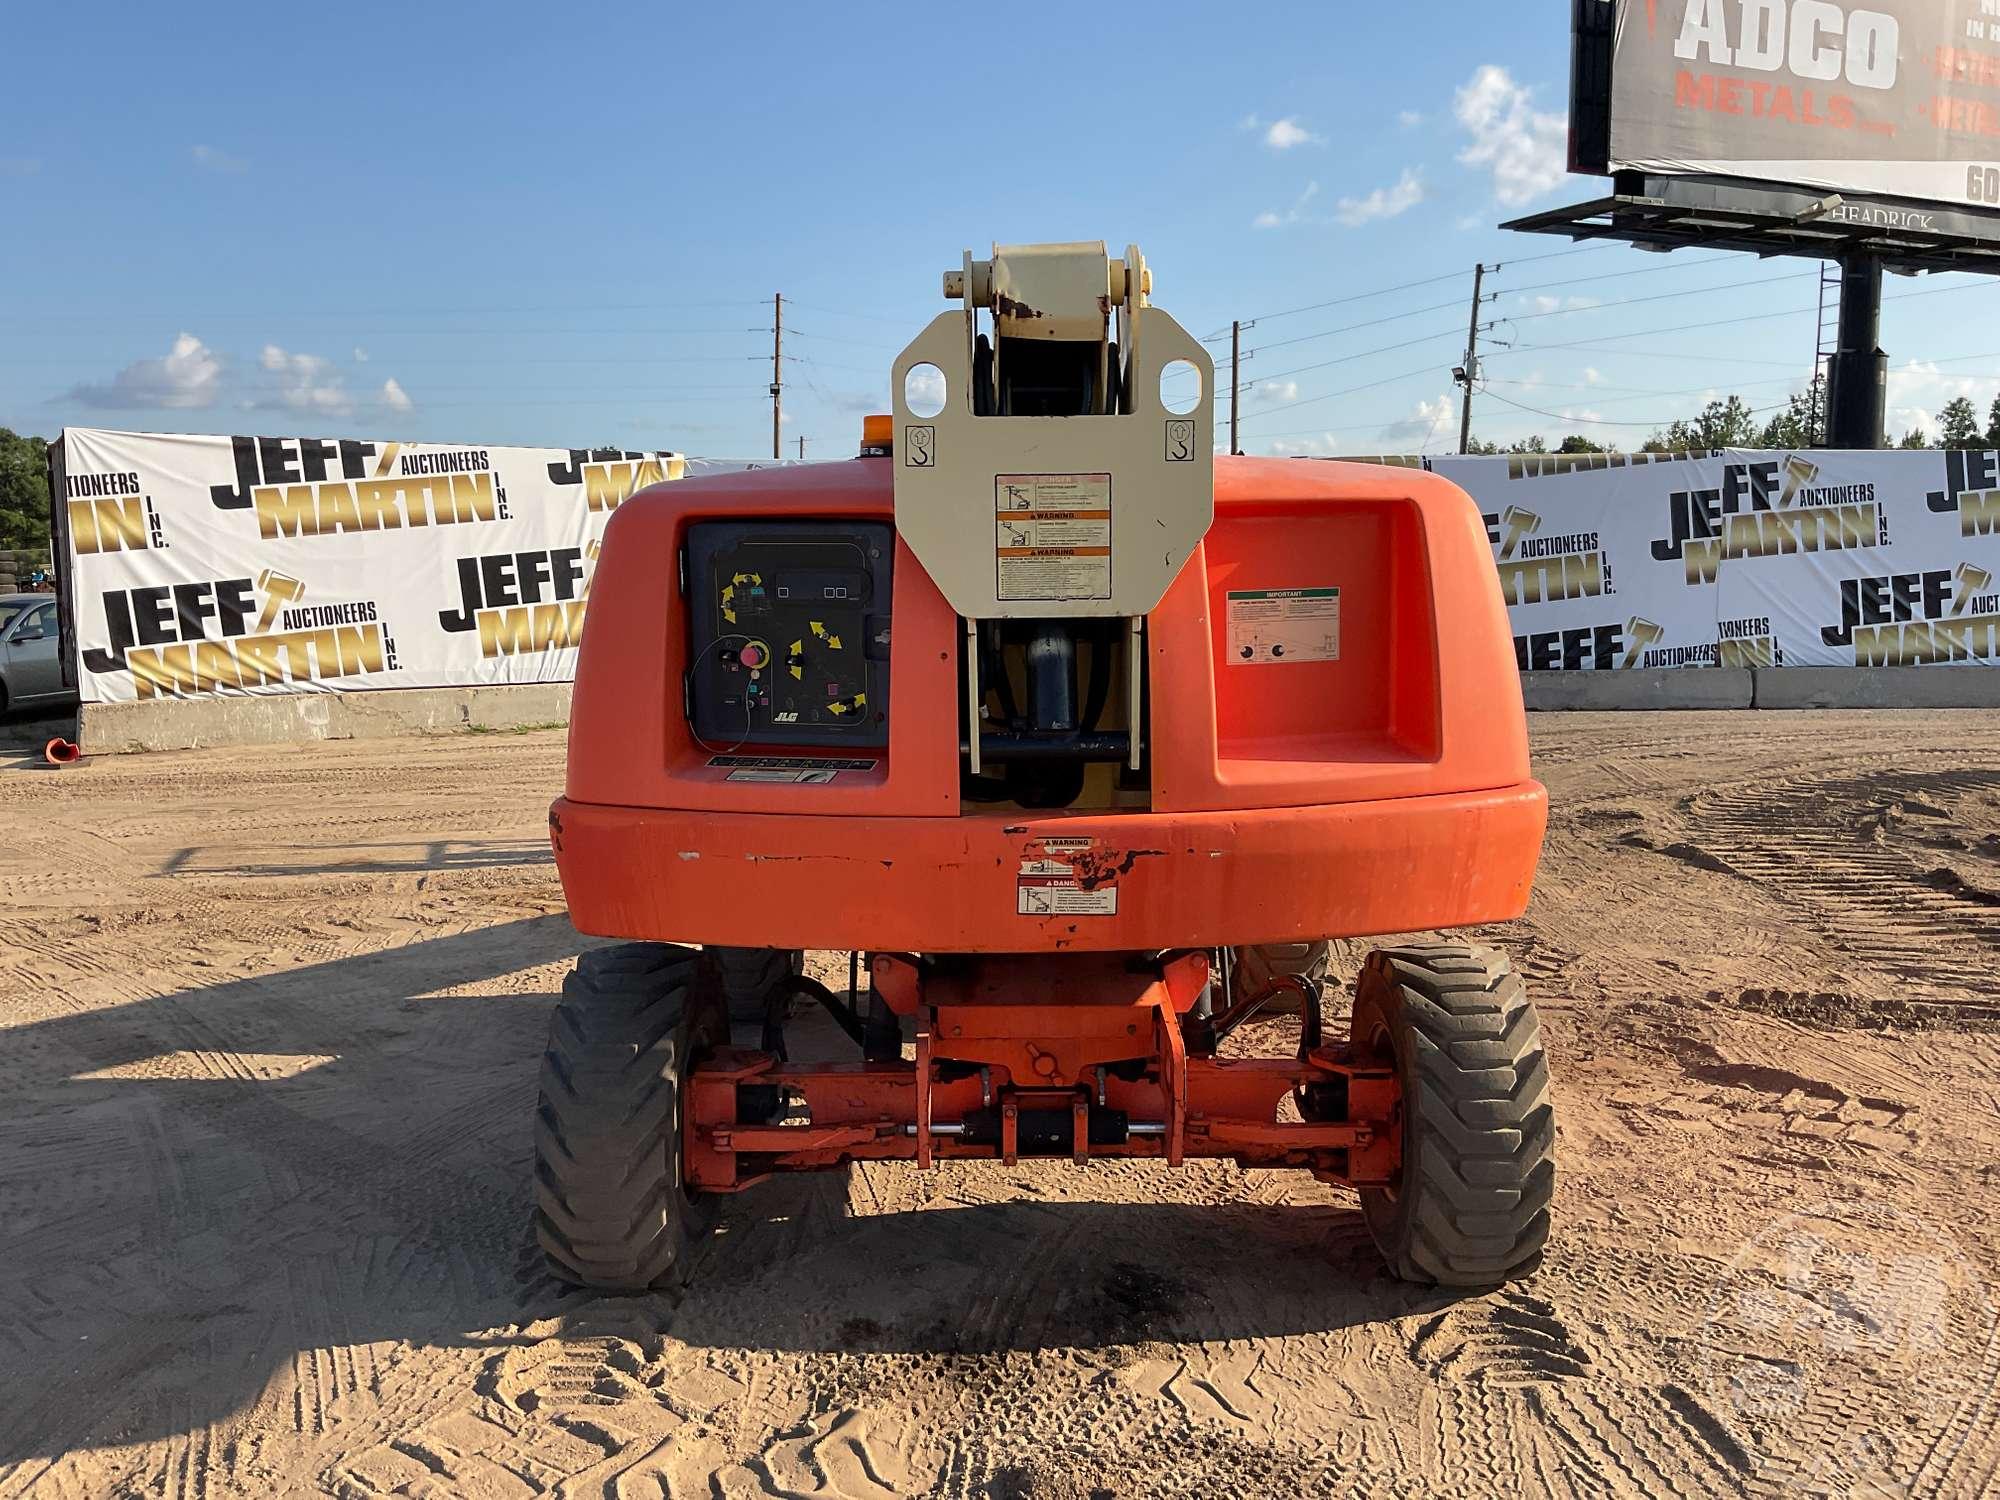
200,1190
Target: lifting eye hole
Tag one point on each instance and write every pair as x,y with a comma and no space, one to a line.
1180,387
924,390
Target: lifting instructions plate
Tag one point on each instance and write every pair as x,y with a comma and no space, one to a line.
1273,627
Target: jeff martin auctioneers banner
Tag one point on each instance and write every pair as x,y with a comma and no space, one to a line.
1744,559
280,565
204,565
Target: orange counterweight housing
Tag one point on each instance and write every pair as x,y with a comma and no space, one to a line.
1384,790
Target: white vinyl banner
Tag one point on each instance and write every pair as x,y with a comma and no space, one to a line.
1744,559
203,565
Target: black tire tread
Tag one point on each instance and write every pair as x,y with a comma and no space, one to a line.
748,974
610,1212
1479,1133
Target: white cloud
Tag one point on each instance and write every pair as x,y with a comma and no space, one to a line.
1410,119
303,382
1919,390
1546,304
208,159
187,378
1524,148
360,355
1592,375
1284,134
1275,390
298,382
925,390
1421,431
1292,215
1324,445
1383,203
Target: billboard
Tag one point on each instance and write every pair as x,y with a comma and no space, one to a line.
1893,97
202,566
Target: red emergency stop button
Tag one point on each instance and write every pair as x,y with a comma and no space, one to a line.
754,655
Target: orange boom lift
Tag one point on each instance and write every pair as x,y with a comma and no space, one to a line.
1063,723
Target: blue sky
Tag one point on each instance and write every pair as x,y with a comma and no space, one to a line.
562,225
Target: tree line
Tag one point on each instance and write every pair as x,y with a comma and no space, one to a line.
24,491
1730,423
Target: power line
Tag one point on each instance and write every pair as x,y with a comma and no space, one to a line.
1696,291
1332,395
1557,416
237,314
1443,333
1687,265
836,312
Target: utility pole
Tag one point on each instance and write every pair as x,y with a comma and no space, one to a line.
777,370
1235,381
1469,372
802,447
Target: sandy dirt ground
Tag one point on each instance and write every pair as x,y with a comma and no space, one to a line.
269,1025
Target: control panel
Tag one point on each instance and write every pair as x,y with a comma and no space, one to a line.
790,632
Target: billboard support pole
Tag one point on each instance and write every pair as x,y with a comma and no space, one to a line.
1858,395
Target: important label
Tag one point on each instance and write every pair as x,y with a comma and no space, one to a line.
1274,627
1067,878
1052,536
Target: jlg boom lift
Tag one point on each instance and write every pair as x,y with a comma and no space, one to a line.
1051,716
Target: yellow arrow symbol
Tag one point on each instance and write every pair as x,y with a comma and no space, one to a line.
818,628
833,643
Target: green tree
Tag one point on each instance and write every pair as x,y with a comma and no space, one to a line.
1958,425
1722,424
1577,443
24,491
1993,425
1797,426
1533,444
1916,437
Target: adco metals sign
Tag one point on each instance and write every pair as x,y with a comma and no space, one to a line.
1896,97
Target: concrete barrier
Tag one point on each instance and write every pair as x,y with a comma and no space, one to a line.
200,723
1639,688
1878,687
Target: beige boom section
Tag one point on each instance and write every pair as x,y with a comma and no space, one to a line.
1021,510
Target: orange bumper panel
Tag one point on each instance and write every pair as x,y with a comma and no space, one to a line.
1079,882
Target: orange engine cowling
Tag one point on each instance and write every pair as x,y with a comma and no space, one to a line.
1315,762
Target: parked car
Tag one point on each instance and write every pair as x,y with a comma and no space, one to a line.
30,659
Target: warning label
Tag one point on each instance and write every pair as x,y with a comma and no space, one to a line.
1274,627
1058,899
1052,536
1067,878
